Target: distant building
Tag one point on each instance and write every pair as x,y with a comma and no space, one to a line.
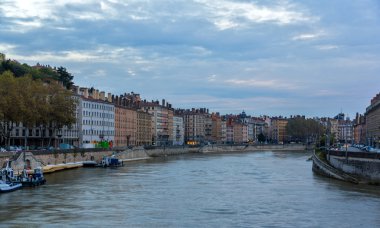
162,121
97,117
178,131
145,131
196,122
372,119
360,129
278,129
125,126
216,131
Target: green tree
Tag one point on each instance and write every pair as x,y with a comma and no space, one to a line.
62,107
11,103
304,130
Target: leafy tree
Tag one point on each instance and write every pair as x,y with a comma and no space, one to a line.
304,130
11,104
62,107
34,104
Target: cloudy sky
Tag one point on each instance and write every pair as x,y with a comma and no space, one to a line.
275,57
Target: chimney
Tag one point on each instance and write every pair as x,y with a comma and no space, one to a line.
102,95
109,96
85,92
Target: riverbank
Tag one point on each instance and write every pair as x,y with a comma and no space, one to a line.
354,167
52,161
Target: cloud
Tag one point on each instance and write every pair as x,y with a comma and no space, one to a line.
212,78
231,14
327,47
268,84
309,36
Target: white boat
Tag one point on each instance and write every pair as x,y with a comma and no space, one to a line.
9,186
7,179
111,161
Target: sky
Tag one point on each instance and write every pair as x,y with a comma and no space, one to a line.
268,57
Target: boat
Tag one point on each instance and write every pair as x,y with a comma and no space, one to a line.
9,186
7,179
111,161
89,164
30,178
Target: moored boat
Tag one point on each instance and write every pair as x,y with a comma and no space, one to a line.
9,186
7,179
111,162
30,178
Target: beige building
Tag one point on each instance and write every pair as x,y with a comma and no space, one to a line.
216,132
373,122
144,129
162,116
125,126
278,129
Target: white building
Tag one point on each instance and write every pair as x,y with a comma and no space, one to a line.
96,117
178,131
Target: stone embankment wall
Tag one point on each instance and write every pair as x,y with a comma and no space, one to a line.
366,169
251,148
44,158
325,169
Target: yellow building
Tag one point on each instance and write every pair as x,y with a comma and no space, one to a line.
278,129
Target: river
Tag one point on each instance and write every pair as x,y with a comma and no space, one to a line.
257,189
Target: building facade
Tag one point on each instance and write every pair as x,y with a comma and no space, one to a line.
145,129
178,131
372,119
125,126
97,118
162,122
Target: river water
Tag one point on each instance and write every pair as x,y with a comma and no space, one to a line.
257,189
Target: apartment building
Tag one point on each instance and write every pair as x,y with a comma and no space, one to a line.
372,119
162,121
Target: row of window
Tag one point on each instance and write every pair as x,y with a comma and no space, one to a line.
98,123
98,114
98,106
98,132
38,133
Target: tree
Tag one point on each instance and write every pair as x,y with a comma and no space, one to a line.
65,77
304,130
34,104
62,107
261,137
11,104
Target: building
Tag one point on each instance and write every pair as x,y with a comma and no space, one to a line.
96,118
178,131
278,129
162,121
223,127
372,119
359,129
125,126
216,128
145,131
195,126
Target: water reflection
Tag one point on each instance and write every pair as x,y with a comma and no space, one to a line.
221,190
